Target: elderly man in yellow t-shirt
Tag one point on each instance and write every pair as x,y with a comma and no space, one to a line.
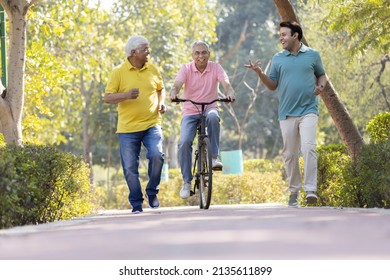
137,87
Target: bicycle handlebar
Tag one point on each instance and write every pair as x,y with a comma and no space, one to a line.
178,100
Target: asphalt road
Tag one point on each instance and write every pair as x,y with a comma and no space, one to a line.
231,232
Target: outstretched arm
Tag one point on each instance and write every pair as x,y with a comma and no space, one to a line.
270,84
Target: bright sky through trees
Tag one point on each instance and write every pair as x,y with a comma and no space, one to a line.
106,4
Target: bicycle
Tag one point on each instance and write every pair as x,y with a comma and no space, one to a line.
202,168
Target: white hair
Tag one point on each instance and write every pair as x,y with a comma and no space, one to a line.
133,43
197,43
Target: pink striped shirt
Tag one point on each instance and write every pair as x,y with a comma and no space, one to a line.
200,87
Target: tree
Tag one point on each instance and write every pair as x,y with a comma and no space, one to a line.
361,81
246,31
366,22
11,103
72,35
242,122
347,129
361,29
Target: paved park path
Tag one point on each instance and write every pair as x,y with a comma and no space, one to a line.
230,232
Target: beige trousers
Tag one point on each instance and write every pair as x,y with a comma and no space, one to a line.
299,138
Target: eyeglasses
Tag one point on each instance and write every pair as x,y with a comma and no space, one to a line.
147,49
197,53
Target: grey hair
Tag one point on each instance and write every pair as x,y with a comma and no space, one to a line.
197,43
133,43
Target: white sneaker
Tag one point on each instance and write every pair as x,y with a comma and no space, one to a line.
185,190
217,164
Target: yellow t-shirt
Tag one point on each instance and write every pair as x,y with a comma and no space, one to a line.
142,113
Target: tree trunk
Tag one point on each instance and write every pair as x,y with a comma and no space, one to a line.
345,126
170,147
240,41
11,104
87,135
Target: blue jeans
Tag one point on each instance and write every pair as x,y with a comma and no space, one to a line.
130,147
187,136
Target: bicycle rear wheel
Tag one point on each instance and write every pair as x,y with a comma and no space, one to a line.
206,175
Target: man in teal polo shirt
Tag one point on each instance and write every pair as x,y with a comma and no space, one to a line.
298,76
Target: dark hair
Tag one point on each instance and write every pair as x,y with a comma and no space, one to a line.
294,26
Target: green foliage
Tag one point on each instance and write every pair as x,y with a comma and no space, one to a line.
44,110
2,140
263,165
366,23
40,184
262,184
248,188
71,50
248,30
69,89
372,175
379,128
361,81
333,188
341,182
364,182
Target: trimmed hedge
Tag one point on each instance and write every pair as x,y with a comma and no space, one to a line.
261,182
371,175
363,183
333,169
40,184
341,182
379,128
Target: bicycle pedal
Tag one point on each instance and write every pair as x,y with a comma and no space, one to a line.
192,193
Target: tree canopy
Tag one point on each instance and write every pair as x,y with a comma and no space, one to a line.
365,22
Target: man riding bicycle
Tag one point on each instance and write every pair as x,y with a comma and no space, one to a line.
201,78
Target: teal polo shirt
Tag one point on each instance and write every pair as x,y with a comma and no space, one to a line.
297,77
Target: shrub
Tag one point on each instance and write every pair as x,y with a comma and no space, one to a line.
379,128
256,186
372,170
40,184
2,140
263,165
334,188
248,188
364,182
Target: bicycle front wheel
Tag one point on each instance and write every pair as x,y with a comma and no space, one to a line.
206,175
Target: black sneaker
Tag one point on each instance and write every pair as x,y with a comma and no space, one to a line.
137,209
153,201
293,200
